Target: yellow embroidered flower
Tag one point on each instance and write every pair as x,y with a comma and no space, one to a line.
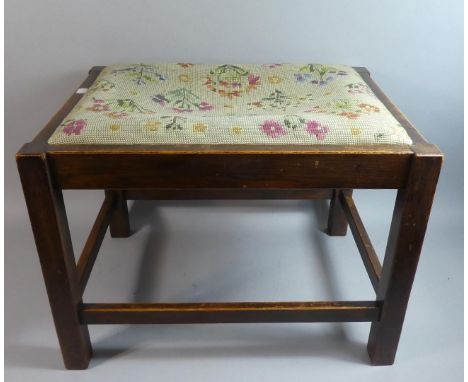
200,127
274,79
355,130
184,78
152,125
133,92
237,130
115,127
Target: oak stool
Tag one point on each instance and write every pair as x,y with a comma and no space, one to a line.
199,131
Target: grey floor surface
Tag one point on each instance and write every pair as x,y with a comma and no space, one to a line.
233,251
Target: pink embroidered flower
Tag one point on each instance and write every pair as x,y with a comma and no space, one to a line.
317,129
253,79
74,127
205,106
99,105
273,129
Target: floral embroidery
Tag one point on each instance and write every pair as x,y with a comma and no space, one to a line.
231,81
182,101
117,114
152,125
224,104
99,105
278,100
200,127
184,78
274,79
379,136
355,130
159,98
104,85
349,114
316,128
174,123
128,105
345,108
185,65
141,74
318,74
369,108
273,129
73,126
358,88
294,122
119,107
237,130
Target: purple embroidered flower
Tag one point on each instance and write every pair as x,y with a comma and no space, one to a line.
317,129
74,127
253,79
273,129
159,98
205,106
302,77
322,82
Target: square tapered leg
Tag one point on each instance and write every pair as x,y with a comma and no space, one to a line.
49,223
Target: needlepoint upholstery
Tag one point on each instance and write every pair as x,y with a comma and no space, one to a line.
305,104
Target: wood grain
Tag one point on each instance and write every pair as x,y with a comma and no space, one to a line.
332,311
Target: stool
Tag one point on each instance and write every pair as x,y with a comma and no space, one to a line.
195,131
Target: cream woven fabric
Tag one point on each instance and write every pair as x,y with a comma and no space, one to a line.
229,104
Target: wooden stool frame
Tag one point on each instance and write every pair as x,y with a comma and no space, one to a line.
187,172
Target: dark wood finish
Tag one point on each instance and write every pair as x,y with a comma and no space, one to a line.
239,312
363,242
408,227
337,222
120,222
228,194
93,244
50,228
227,172
153,171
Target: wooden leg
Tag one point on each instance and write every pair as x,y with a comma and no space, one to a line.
408,227
120,223
49,224
337,222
